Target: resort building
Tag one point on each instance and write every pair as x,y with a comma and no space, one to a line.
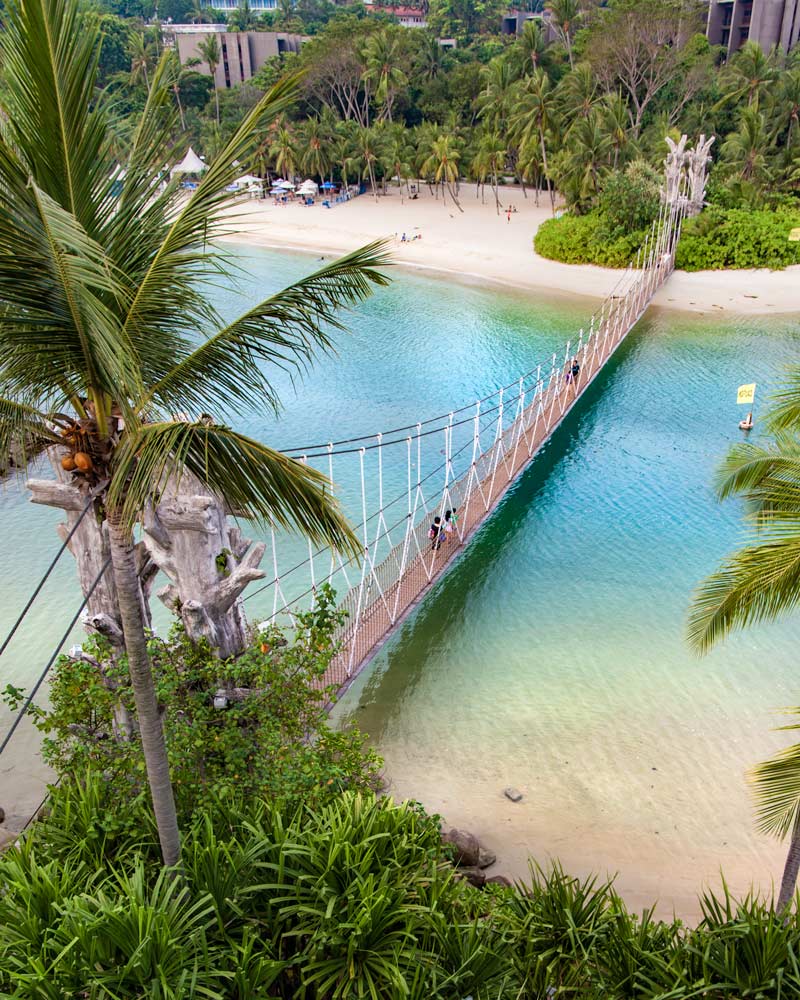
243,53
257,6
408,15
514,20
731,23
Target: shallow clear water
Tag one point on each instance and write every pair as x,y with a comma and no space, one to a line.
551,657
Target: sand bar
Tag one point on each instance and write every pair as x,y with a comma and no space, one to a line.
480,245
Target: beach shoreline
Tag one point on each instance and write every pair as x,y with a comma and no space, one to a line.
481,247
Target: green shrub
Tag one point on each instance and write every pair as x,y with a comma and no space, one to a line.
586,239
272,738
732,238
631,198
349,900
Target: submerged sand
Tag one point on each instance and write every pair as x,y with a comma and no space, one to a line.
480,245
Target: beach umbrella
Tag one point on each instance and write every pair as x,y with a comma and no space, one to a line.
328,186
285,185
247,179
190,164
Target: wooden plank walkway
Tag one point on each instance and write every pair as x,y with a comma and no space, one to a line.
388,592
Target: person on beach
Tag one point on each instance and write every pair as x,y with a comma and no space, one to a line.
436,534
508,213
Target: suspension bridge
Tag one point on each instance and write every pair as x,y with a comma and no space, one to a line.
485,445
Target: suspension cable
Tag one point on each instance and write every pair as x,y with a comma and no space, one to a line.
43,580
26,704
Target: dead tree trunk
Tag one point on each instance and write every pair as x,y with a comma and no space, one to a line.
207,560
91,549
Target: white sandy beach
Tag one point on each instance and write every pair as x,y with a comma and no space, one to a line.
478,245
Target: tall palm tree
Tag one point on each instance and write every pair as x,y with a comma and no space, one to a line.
316,142
615,118
761,582
99,288
429,57
442,165
532,45
141,58
212,56
382,72
175,84
565,16
746,149
536,111
497,98
242,18
283,152
199,13
578,92
489,162
585,161
785,105
397,156
749,75
367,152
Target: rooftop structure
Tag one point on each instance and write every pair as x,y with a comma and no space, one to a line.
731,23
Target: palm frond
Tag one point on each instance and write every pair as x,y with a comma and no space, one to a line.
284,331
24,432
776,787
55,285
785,412
49,52
748,467
256,480
757,583
166,293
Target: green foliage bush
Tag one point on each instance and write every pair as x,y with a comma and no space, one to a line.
349,900
272,738
737,237
586,239
631,198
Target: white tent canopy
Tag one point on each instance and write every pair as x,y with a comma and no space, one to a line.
247,179
309,187
190,164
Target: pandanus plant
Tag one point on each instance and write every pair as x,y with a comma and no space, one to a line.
107,331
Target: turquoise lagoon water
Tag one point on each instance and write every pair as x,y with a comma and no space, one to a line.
552,656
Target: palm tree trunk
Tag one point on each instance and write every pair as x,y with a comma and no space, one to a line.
546,175
144,692
216,101
790,869
180,107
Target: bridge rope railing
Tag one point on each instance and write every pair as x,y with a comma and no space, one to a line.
399,561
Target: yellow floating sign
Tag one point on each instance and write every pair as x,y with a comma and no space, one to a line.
746,393
794,235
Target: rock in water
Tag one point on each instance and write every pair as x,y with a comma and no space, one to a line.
466,849
486,857
512,793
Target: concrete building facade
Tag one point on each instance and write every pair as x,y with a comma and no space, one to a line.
731,23
243,53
